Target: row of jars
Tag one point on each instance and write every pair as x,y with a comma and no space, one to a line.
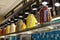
20,25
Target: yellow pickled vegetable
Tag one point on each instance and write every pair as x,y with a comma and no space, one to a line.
23,26
31,21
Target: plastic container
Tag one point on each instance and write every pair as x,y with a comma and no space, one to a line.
0,31
45,15
7,29
31,21
4,31
20,25
12,28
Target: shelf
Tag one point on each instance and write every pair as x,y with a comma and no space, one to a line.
39,28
